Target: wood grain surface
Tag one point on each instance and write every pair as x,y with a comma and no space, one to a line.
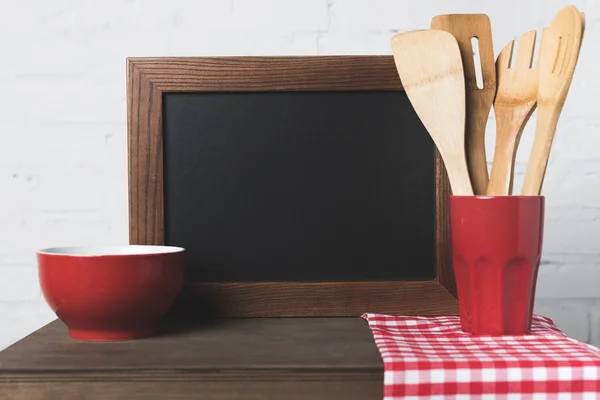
243,74
149,78
247,358
465,27
557,58
443,253
430,65
303,387
516,99
320,299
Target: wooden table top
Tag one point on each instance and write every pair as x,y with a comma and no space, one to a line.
253,358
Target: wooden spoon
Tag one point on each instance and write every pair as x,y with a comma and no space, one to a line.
515,101
431,71
559,52
465,27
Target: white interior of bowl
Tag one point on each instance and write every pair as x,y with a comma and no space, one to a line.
110,250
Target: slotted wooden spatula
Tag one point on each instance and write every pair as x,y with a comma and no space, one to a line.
465,27
559,52
430,69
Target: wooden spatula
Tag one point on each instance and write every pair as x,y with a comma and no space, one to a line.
559,52
431,71
516,99
465,27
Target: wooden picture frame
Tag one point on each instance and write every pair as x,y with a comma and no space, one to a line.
149,78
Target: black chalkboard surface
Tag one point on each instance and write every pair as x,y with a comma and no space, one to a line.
299,186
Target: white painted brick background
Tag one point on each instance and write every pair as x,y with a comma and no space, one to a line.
63,171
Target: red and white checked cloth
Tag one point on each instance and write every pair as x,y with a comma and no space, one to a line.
432,358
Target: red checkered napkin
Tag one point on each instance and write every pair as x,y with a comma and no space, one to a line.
432,358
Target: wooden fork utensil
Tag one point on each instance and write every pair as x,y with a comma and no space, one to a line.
516,99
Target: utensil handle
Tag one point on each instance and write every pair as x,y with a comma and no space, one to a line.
540,153
501,176
475,143
508,134
458,175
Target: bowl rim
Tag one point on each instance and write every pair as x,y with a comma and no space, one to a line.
110,250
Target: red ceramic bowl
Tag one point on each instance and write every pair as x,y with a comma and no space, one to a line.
111,293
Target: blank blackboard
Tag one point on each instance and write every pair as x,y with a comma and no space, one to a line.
298,186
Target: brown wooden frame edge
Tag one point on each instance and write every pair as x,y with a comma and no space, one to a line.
149,78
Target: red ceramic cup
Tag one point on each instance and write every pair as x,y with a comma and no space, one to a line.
111,293
496,251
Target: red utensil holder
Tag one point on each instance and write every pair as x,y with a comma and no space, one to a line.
496,251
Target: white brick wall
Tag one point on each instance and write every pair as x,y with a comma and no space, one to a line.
63,121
